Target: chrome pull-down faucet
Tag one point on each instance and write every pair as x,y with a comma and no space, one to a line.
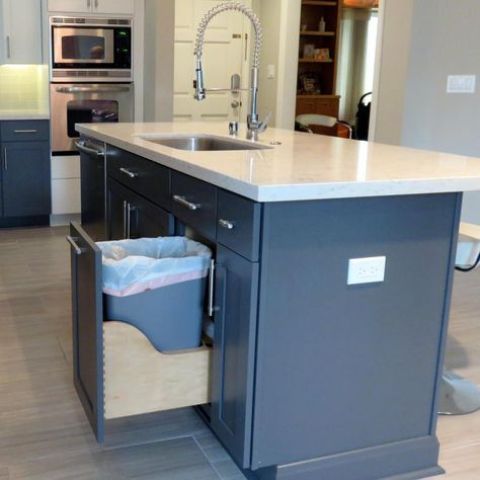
254,124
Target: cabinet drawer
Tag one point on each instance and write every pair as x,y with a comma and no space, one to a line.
117,370
238,224
24,130
143,176
195,203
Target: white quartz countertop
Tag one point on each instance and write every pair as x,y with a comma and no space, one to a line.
24,115
302,166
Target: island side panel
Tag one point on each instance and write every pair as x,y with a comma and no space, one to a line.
342,368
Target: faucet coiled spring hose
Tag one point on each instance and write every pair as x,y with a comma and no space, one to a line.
223,7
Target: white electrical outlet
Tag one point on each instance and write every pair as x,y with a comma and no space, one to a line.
366,270
461,83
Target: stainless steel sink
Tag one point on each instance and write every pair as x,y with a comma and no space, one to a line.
201,143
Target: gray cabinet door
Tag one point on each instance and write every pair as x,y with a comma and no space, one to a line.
93,195
236,300
132,216
87,316
26,179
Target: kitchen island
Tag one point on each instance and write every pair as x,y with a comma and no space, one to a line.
324,366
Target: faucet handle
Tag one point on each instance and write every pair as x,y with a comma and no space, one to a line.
264,123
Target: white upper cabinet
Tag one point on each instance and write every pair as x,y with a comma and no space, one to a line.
21,32
121,7
70,6
116,7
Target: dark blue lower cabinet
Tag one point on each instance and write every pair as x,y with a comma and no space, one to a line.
234,352
26,179
132,216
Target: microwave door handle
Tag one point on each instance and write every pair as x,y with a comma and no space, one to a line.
112,89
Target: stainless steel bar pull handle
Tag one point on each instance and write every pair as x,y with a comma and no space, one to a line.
96,4
73,242
5,159
26,130
94,89
184,202
125,208
89,150
9,51
89,3
211,285
130,208
226,224
129,172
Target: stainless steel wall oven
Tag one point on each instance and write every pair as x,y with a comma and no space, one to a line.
74,103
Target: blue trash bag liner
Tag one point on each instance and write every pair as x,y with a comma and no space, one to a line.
130,267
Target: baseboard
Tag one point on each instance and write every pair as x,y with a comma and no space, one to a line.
32,221
407,460
65,219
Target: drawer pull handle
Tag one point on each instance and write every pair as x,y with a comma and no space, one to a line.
26,130
211,288
73,243
184,202
129,173
226,224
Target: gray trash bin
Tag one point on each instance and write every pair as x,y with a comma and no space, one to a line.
157,285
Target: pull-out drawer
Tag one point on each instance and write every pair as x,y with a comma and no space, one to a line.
195,203
24,130
144,176
140,379
117,371
238,225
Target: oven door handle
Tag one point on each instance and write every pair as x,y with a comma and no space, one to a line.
109,89
88,150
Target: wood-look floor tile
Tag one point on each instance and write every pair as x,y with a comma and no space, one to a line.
44,433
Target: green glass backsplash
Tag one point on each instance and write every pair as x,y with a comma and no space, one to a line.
24,87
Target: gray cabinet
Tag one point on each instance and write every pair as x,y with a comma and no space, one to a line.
234,350
132,216
25,177
312,377
87,323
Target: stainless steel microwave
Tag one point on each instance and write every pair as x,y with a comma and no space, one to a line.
91,49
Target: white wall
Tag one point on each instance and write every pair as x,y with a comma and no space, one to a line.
445,41
393,64
269,15
159,60
281,22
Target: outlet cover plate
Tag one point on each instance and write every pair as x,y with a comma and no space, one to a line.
461,83
366,270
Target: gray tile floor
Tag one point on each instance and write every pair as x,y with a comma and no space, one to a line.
44,434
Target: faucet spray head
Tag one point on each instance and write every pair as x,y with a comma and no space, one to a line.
199,84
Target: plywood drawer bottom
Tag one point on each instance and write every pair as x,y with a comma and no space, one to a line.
139,379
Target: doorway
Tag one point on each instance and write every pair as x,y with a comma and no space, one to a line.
359,27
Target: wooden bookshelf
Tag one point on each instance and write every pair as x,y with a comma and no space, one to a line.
319,3
313,60
316,74
313,33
